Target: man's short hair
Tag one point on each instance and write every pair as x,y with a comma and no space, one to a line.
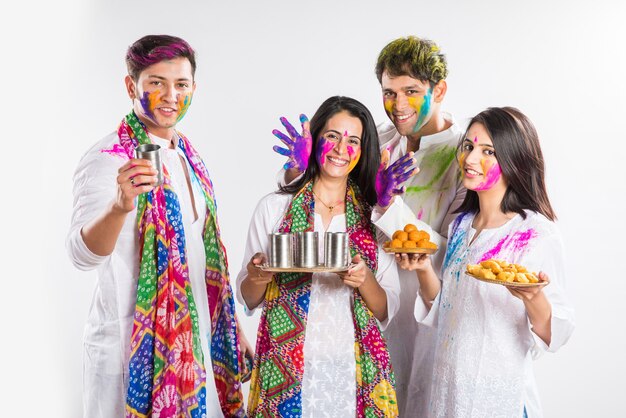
152,49
412,56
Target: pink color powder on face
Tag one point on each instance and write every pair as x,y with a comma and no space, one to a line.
354,157
492,175
517,243
323,147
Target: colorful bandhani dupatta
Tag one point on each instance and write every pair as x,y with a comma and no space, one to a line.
276,381
167,377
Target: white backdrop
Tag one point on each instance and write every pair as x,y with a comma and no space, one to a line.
560,62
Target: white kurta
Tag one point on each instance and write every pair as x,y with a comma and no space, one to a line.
430,197
328,386
485,344
109,325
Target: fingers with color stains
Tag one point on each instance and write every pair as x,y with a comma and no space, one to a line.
282,151
303,147
290,129
389,180
298,145
384,186
404,176
406,161
286,140
287,152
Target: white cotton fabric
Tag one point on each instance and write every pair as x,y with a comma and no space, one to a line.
110,321
485,343
329,380
411,344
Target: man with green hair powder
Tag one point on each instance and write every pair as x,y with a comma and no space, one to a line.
412,73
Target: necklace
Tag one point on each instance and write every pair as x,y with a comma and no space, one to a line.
330,208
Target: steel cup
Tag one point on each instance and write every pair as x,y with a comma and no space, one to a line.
306,249
336,253
280,250
152,152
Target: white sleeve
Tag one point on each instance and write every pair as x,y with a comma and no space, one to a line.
387,277
548,256
264,221
95,186
280,177
425,316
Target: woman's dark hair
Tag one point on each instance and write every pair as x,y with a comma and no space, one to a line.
520,158
364,174
152,49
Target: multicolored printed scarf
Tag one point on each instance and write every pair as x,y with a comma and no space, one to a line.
166,369
276,382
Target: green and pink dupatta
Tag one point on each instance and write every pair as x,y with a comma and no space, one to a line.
276,381
167,377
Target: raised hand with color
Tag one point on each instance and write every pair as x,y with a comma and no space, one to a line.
298,145
390,180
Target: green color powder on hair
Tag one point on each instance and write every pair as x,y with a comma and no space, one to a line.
415,57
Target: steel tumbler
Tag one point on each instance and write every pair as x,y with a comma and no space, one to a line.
306,249
336,249
152,152
281,250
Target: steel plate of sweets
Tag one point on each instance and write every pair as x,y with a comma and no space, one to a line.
503,273
410,240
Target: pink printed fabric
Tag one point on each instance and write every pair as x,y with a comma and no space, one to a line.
166,367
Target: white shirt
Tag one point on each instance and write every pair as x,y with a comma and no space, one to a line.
110,321
430,197
485,343
329,380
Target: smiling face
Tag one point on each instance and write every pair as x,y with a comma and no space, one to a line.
339,149
162,94
408,102
479,165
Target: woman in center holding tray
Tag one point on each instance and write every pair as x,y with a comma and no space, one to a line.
320,351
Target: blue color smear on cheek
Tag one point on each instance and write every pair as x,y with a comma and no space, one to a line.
424,110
